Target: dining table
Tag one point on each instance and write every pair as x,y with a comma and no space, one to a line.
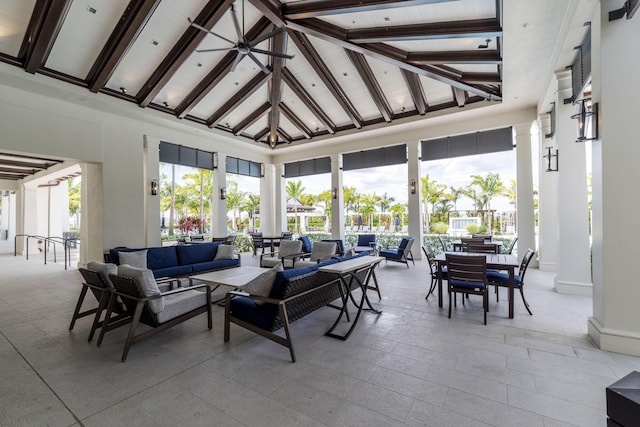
503,262
272,240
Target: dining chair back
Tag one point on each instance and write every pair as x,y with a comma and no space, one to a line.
499,278
512,245
482,248
465,241
443,244
430,256
468,276
258,242
485,237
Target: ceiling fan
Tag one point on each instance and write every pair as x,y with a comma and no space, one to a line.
243,46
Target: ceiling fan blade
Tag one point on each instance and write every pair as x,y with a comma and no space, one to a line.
216,50
201,28
265,37
262,67
234,15
236,61
270,53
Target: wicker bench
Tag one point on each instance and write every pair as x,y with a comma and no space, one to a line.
295,294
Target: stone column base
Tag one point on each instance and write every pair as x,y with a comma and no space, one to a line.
573,288
615,340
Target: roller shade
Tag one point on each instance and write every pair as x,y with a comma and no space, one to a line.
373,158
185,156
243,167
491,141
307,167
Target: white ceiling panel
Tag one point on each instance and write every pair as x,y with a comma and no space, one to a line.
154,43
14,18
438,12
289,128
75,55
393,85
258,126
300,110
348,78
436,92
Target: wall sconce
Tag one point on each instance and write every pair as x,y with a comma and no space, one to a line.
550,156
154,187
334,193
215,160
587,121
223,193
261,170
412,186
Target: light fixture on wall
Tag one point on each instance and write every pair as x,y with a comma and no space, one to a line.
412,186
215,160
334,193
587,117
154,187
549,158
262,170
223,193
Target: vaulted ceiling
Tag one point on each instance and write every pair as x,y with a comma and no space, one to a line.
355,64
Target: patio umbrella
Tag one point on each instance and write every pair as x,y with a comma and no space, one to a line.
359,220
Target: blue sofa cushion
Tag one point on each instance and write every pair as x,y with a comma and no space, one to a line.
282,278
391,253
197,253
306,244
162,257
213,265
501,277
247,309
178,270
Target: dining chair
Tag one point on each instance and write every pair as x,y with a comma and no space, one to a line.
468,276
465,241
482,248
499,278
430,256
512,246
258,242
443,244
485,237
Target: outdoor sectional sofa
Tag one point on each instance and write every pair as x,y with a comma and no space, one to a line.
180,260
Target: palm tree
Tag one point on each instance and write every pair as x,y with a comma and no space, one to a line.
350,199
294,192
324,199
486,188
398,210
368,206
455,194
251,205
74,198
200,187
235,200
431,192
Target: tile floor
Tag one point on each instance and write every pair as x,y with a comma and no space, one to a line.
408,366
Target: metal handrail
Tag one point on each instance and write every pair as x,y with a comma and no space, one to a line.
47,242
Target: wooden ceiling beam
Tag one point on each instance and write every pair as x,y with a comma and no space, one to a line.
123,36
371,83
460,57
10,176
278,45
380,51
258,136
472,28
251,118
315,8
48,161
286,138
417,91
192,37
17,172
238,98
472,78
289,114
322,70
308,100
216,75
18,164
44,27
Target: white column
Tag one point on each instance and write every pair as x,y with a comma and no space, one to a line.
415,207
614,325
30,216
92,214
280,200
547,203
152,203
267,197
525,220
218,205
574,267
337,204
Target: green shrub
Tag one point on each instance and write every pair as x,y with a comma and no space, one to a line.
473,229
439,228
